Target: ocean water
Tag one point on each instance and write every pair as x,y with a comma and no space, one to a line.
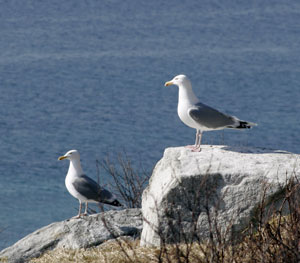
89,75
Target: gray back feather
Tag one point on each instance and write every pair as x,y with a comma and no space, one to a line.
92,190
210,117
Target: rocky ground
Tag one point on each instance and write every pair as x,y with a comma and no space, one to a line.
186,193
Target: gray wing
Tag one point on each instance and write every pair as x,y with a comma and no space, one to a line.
210,117
92,190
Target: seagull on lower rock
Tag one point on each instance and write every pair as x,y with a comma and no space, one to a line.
199,116
82,187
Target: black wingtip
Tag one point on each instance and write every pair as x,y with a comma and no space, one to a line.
116,203
244,125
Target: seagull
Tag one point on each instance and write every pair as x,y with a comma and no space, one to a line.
199,116
82,187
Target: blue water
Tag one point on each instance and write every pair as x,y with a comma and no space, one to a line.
89,75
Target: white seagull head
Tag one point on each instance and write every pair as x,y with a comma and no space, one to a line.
71,155
180,81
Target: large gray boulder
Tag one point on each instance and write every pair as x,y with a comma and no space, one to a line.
76,233
189,190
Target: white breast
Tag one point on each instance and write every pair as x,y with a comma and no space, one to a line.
186,101
183,113
183,109
69,184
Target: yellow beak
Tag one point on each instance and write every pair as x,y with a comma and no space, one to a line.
61,158
168,83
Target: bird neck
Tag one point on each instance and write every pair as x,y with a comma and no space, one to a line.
186,94
75,168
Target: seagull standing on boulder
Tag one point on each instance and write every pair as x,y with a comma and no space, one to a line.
82,187
199,116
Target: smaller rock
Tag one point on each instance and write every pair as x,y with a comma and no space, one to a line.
76,233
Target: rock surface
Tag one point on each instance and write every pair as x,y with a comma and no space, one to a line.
76,233
188,188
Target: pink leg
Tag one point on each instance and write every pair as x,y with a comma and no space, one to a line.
86,209
196,147
190,146
79,212
196,142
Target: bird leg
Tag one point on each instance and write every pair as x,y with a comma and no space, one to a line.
86,209
79,212
197,147
196,142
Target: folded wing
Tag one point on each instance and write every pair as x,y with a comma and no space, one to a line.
210,117
91,190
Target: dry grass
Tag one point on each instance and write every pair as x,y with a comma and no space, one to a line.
261,245
127,251
273,243
110,251
128,180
